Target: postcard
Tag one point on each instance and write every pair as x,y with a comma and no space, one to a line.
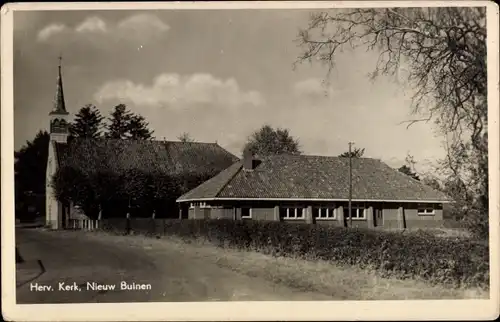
220,161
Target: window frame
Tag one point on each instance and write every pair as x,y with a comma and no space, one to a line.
426,207
326,211
249,211
201,205
296,217
356,208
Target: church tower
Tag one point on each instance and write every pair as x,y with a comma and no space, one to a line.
59,132
59,125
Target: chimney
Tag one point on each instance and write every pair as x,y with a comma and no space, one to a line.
248,160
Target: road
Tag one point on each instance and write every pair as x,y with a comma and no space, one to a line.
75,260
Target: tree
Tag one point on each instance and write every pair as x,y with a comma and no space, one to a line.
269,141
443,50
407,170
127,125
99,176
357,153
433,183
185,137
30,170
138,128
119,122
88,123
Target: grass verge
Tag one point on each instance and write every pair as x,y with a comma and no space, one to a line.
340,282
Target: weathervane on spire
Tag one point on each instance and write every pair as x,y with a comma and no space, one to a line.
60,60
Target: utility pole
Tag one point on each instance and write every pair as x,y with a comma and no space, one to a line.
350,184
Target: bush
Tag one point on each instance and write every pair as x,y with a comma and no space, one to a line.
478,223
450,261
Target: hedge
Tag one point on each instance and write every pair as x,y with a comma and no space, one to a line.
458,262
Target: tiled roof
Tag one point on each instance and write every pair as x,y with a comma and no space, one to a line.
314,177
171,156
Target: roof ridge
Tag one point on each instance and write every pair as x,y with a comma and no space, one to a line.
231,178
174,141
314,156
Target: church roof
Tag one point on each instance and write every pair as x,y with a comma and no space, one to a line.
169,156
59,105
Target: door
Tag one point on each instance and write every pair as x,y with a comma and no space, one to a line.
378,218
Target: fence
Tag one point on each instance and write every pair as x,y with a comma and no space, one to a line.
120,225
84,224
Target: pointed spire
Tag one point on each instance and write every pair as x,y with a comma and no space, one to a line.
59,104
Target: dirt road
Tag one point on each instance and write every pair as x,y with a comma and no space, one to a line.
62,267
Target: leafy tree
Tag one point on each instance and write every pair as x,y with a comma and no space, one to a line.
443,51
30,170
185,137
456,188
126,125
433,183
269,141
88,123
107,176
356,153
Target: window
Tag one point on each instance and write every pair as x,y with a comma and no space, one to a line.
246,213
292,213
199,204
324,213
358,212
425,210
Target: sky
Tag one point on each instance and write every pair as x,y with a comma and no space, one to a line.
218,75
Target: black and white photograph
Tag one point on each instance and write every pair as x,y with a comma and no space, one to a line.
284,159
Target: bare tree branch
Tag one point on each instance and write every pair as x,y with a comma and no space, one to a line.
444,51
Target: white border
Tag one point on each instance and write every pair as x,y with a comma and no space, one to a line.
336,310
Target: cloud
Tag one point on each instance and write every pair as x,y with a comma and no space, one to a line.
143,22
50,31
180,92
139,25
92,24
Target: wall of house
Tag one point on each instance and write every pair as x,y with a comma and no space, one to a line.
222,213
199,213
390,216
263,213
415,220
394,215
195,213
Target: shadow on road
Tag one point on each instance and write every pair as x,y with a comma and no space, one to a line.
19,259
20,262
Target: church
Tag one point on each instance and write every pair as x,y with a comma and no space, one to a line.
175,156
